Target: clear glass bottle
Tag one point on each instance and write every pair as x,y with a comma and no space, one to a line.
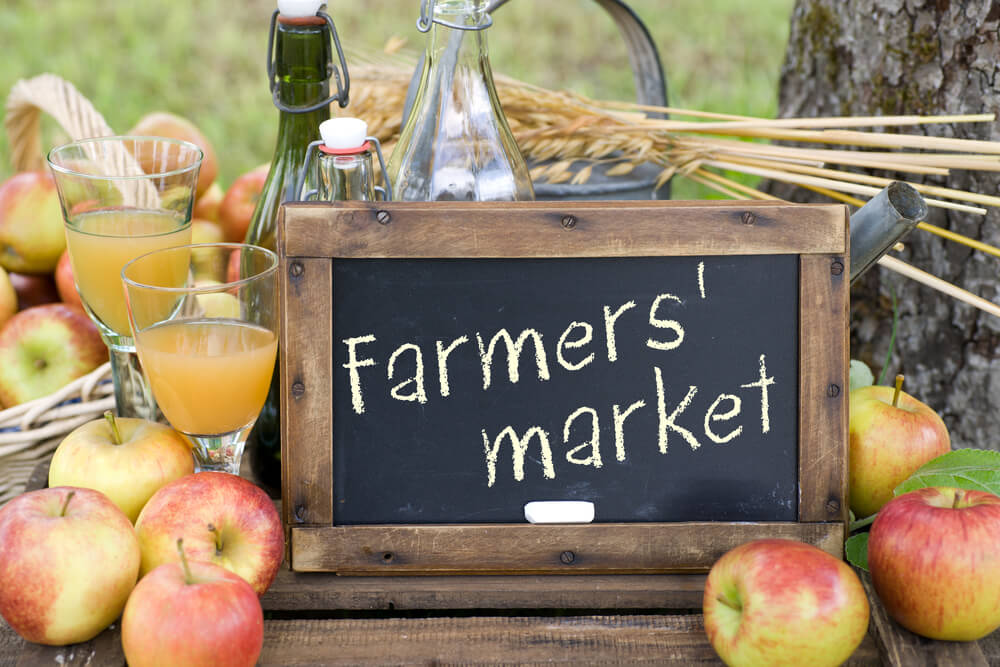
300,74
456,144
344,166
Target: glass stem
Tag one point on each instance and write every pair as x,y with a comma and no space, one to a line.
133,396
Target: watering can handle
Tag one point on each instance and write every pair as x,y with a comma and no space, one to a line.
650,82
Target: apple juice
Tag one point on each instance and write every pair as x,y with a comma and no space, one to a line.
210,376
102,242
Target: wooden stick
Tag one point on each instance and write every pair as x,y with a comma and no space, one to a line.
940,285
813,123
750,193
871,139
831,184
886,161
951,193
697,178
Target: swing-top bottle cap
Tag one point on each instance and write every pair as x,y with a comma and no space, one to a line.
343,134
297,9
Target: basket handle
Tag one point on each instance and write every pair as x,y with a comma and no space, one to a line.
647,69
78,117
56,97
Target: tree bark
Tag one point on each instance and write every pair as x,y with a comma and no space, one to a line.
882,57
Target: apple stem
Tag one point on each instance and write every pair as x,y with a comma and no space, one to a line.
861,523
956,503
899,388
69,497
188,579
218,538
116,435
729,603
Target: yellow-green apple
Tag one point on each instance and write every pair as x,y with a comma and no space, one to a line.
31,223
172,126
238,205
934,555
207,205
66,283
127,459
891,435
209,264
68,561
218,304
195,614
8,298
782,602
44,348
33,289
223,519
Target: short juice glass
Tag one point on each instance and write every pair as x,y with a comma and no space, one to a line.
207,341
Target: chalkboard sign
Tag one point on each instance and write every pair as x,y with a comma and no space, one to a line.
682,366
659,388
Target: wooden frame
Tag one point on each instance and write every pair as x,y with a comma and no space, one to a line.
311,236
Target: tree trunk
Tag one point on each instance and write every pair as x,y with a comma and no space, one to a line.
882,57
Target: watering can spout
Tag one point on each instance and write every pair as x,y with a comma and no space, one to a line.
883,221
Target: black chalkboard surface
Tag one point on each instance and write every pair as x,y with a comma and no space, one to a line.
664,389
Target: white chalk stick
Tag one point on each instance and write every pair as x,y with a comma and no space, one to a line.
559,511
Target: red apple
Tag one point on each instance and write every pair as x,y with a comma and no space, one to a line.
68,561
31,223
233,268
934,555
127,459
33,289
782,602
44,348
195,614
8,298
240,201
207,205
172,126
888,442
65,283
223,519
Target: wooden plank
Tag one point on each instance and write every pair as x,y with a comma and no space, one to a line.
900,647
569,229
306,404
591,640
319,591
823,388
104,650
545,549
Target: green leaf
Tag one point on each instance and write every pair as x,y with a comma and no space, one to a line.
860,375
977,469
856,550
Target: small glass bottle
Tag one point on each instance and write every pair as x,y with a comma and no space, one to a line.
300,44
344,167
456,144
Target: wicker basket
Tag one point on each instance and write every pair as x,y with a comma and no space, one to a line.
30,432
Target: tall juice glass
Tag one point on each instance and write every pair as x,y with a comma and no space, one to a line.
122,197
207,339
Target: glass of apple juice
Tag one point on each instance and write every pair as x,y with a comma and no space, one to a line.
207,340
122,197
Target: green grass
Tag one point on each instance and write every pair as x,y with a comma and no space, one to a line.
130,58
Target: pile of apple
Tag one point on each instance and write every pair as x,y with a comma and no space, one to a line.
46,341
185,578
933,554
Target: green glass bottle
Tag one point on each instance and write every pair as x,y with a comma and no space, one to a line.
300,40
